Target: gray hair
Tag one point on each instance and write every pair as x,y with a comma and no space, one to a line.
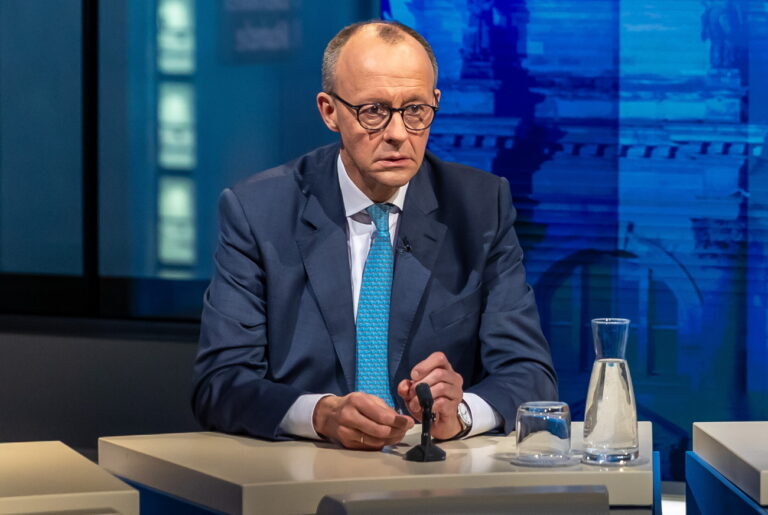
391,32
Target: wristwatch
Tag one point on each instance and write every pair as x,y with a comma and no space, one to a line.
465,419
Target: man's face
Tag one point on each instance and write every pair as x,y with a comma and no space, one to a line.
370,70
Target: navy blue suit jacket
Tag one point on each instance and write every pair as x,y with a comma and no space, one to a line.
278,319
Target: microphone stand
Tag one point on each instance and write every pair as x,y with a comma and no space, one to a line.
427,450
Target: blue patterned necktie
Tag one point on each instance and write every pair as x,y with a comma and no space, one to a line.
373,310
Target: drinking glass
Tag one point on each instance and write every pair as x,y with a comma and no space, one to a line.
543,431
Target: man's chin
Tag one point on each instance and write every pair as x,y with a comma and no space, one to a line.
405,171
394,177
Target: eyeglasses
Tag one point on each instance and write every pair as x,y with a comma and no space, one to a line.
376,116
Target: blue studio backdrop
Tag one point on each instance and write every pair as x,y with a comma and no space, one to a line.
633,133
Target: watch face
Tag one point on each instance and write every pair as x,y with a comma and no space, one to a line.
464,414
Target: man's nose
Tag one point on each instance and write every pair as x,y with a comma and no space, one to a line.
395,130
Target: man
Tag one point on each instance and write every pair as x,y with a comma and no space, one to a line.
346,277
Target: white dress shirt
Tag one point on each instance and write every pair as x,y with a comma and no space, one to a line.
298,420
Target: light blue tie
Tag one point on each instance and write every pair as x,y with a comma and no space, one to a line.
373,310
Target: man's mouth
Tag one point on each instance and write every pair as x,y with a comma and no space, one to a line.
394,160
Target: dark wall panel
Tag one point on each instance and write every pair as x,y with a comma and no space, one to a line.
77,388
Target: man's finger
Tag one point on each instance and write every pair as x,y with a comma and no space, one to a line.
443,390
404,389
433,361
362,424
376,435
371,416
354,439
402,422
441,375
377,410
415,408
388,416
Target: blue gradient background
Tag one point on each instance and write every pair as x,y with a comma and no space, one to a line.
634,136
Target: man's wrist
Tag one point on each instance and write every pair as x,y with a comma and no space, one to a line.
464,414
320,415
298,419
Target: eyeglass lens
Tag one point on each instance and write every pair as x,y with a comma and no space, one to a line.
415,117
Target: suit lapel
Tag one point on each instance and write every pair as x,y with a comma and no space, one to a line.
322,241
413,266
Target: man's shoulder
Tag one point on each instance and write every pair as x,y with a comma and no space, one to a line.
289,177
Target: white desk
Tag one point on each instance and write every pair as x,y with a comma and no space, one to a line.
244,475
49,477
739,451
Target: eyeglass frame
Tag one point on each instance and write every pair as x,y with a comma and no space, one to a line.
401,110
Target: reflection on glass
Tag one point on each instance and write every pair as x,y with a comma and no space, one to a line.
175,37
176,126
176,221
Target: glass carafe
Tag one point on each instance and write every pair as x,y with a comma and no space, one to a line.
610,419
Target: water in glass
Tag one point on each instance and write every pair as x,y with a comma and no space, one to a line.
610,418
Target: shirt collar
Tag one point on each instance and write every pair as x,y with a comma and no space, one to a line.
355,200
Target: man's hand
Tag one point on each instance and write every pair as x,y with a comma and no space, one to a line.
446,387
359,421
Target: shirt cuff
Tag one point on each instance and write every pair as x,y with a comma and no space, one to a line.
484,417
298,419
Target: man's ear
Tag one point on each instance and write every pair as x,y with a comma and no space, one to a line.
437,96
327,110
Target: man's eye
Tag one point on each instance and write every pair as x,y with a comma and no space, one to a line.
373,110
415,109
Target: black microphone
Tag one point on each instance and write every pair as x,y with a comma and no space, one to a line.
427,450
425,396
404,247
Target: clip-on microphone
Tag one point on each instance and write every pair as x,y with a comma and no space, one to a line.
427,450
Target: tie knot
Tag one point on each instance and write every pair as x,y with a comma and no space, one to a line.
379,213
